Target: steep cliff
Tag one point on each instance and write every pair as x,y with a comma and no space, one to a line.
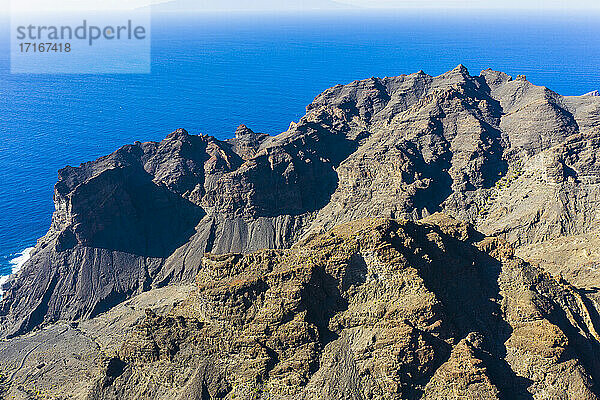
373,309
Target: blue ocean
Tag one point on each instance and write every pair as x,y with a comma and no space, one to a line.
212,73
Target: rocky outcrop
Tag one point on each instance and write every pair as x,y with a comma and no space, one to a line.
373,309
65,359
514,159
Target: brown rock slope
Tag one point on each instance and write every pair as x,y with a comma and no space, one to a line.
373,309
515,159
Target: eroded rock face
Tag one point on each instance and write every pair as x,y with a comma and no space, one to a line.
514,159
374,309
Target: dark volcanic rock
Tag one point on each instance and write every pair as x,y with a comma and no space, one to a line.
512,158
247,143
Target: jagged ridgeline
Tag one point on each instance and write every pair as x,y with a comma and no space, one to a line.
341,307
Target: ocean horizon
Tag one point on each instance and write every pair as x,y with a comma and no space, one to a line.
211,73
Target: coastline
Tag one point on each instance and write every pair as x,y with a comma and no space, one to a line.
16,265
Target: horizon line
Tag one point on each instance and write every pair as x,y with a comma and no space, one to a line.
465,10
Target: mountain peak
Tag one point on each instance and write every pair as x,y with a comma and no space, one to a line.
243,130
178,134
461,69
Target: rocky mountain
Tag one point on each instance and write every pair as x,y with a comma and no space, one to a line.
373,309
515,161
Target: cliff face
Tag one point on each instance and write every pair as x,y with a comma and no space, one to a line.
511,158
373,309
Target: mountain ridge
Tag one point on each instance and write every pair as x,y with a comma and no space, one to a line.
512,158
366,252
